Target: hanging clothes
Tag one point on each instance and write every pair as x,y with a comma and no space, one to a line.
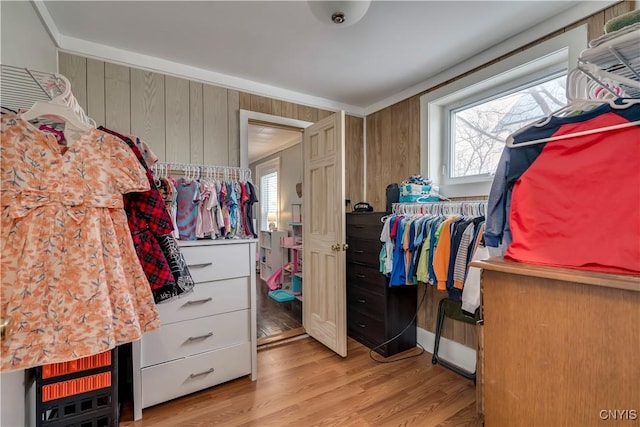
442,255
166,190
148,155
187,199
147,218
253,199
566,180
204,225
207,207
430,249
177,263
72,285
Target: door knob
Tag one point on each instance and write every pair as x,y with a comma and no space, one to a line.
335,247
345,246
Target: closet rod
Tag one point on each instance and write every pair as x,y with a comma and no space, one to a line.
438,207
196,169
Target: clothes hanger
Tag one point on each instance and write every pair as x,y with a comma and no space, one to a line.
600,77
578,86
619,103
575,134
65,107
580,105
48,109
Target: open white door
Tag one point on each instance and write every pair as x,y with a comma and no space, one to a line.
325,306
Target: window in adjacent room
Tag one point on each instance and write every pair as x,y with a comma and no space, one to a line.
269,201
464,124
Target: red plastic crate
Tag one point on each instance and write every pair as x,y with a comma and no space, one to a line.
75,386
78,365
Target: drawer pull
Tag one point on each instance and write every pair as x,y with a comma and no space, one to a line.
362,301
358,226
362,325
200,337
360,276
199,374
359,252
198,301
203,265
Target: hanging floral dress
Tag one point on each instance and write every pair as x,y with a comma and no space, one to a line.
71,283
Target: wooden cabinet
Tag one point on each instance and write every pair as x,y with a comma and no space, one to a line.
561,347
375,312
271,256
207,336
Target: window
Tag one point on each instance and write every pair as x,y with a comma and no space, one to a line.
478,131
267,173
269,200
464,124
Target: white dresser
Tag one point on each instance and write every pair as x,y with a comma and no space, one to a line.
208,336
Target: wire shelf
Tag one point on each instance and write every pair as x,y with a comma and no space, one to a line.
618,55
21,87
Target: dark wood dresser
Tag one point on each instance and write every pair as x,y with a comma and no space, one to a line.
375,312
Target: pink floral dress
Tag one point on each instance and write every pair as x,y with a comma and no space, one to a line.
71,283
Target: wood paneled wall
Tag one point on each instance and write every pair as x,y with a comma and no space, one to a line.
393,148
182,121
354,159
185,121
393,153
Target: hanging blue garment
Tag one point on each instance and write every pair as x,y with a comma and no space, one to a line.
433,241
398,273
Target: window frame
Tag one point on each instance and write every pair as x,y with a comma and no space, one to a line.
544,59
263,169
539,76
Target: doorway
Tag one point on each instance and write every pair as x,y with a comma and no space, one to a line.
274,155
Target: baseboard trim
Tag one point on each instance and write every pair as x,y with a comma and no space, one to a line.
449,350
283,338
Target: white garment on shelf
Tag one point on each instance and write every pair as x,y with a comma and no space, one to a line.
471,289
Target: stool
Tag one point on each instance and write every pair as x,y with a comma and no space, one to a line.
452,309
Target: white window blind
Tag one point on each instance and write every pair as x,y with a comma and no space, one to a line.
268,200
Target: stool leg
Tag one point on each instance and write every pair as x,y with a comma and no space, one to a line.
439,322
442,362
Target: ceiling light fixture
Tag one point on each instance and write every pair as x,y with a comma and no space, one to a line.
342,13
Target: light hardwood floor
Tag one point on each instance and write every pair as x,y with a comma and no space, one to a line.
301,384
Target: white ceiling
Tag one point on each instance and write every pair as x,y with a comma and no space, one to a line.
281,49
265,140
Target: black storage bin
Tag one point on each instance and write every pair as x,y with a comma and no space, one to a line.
393,196
82,393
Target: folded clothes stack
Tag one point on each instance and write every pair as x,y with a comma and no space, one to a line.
417,189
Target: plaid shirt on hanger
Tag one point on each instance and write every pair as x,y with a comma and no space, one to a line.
148,219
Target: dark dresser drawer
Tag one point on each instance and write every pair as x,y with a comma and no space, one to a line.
366,277
365,301
362,251
366,225
361,326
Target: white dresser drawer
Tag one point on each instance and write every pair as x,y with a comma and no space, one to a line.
179,377
182,339
214,262
206,299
